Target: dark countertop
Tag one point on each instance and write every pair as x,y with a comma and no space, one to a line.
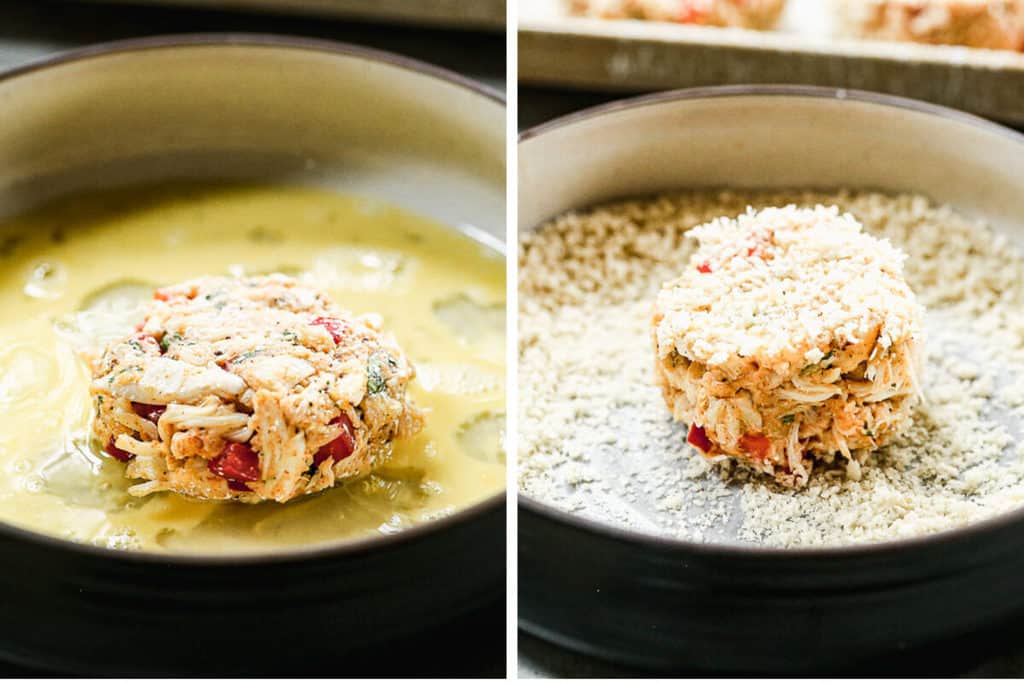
991,653
474,646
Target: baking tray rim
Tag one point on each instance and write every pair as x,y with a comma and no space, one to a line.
629,31
726,551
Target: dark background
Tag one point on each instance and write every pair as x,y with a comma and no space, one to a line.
34,29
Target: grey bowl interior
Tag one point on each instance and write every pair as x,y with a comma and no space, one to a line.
248,107
767,137
771,137
258,108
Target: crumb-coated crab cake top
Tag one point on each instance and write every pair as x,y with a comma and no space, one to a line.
785,285
254,388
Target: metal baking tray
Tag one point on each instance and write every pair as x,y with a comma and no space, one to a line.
637,56
470,14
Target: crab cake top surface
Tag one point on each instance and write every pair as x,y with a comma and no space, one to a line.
230,336
786,284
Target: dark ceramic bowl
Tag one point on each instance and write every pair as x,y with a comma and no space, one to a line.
654,602
252,107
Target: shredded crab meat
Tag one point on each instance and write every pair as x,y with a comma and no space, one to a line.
226,377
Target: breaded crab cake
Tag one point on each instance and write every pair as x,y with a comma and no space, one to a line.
250,389
751,14
791,337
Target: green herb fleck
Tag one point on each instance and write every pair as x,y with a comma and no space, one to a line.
246,356
374,377
168,339
288,335
136,368
788,419
815,366
867,430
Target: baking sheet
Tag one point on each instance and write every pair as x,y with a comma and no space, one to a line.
489,14
636,56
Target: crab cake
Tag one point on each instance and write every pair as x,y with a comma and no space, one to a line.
250,389
752,14
992,24
791,337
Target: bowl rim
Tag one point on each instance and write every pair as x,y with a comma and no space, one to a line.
327,550
664,544
247,39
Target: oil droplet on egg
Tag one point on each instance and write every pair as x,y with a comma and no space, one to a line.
46,281
359,269
483,437
456,378
393,525
28,374
34,483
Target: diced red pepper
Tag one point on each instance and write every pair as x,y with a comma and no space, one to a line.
237,462
698,438
117,453
758,446
704,267
336,327
148,411
689,13
341,447
751,250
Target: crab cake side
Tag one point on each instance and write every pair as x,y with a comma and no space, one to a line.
251,389
791,337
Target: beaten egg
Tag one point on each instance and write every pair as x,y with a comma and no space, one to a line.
78,272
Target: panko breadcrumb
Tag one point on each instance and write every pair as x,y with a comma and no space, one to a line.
251,389
790,337
594,437
751,14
